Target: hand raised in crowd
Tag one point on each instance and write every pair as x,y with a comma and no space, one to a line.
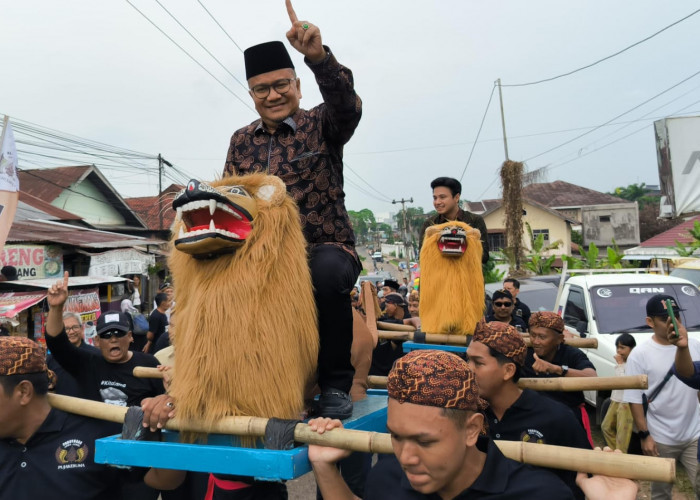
157,411
58,292
305,37
604,487
682,339
324,454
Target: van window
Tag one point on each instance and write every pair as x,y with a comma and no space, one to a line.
692,275
620,308
575,310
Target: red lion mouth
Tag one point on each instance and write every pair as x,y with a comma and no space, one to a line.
453,241
212,222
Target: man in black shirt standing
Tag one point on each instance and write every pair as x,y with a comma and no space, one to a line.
520,309
550,357
502,310
108,378
45,453
157,322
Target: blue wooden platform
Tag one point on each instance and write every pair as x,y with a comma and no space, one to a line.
413,346
220,455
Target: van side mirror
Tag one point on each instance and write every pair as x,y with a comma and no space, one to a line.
582,328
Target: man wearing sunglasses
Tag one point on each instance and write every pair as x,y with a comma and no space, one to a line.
502,306
108,375
305,149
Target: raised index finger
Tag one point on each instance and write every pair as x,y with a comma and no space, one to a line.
290,11
65,280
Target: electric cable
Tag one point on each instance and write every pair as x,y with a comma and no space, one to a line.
192,57
605,58
478,133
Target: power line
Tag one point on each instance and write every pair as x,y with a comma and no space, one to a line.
221,27
552,167
605,58
203,47
382,195
478,133
192,57
614,118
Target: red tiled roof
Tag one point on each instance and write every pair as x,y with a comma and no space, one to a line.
668,238
148,208
559,194
48,183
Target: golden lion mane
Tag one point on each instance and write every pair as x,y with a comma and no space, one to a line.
247,335
451,288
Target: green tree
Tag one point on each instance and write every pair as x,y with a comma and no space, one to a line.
491,273
689,250
364,224
538,263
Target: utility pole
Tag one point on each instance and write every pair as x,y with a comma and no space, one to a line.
503,117
161,161
405,223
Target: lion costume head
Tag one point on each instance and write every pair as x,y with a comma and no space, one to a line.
247,334
452,282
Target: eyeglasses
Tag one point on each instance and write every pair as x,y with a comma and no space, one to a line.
112,333
502,304
74,328
280,86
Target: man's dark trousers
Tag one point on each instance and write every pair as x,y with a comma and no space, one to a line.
334,272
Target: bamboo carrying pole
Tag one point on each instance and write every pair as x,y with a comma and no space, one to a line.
557,457
406,333
568,384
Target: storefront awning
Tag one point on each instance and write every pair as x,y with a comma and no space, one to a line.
13,303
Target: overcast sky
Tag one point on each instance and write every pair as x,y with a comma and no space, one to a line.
424,69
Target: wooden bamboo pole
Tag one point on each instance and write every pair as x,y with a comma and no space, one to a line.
439,338
568,384
558,457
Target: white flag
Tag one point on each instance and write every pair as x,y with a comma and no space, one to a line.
8,162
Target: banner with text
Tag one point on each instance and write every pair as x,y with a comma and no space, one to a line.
33,261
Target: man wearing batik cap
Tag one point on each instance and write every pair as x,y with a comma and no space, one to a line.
436,425
305,149
550,357
671,426
45,453
496,356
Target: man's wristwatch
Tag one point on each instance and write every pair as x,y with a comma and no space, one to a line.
564,370
643,434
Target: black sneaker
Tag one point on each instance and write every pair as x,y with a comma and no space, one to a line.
334,403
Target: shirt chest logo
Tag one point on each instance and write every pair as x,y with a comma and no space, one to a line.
71,454
532,436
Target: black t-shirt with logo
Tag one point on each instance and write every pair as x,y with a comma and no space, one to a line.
100,380
58,462
535,418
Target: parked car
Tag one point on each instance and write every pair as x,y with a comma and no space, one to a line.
537,295
374,278
402,265
688,270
